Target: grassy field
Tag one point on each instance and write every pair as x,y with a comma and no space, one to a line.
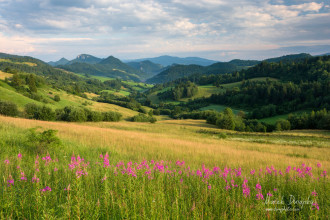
274,119
21,63
220,108
172,169
4,75
9,94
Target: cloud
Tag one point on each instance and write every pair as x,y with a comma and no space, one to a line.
128,27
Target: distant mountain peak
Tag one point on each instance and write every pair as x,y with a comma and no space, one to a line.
86,58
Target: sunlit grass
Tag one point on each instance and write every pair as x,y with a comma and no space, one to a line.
172,169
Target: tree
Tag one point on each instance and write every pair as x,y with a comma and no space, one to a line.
32,83
8,108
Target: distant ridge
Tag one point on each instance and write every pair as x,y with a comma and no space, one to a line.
62,61
170,60
178,71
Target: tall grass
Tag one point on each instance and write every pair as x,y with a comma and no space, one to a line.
48,186
167,170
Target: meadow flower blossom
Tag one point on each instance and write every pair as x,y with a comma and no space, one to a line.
6,162
246,189
319,165
55,169
10,182
269,194
275,189
288,169
252,172
104,178
209,186
47,188
324,173
314,193
19,156
181,180
259,196
258,186
227,187
179,163
316,206
23,177
35,179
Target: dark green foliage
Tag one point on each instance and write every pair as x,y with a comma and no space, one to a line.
8,108
32,83
42,142
182,90
34,111
111,116
314,120
226,121
156,112
10,70
57,98
282,125
143,118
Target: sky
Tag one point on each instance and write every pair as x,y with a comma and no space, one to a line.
215,29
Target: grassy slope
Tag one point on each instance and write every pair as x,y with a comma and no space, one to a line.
193,141
205,90
8,93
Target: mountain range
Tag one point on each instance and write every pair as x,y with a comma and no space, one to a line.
159,69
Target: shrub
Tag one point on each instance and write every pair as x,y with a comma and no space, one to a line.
8,108
143,118
34,111
111,116
41,142
57,98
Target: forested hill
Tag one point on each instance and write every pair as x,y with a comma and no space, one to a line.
180,71
110,67
58,78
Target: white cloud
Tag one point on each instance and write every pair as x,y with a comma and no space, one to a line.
159,26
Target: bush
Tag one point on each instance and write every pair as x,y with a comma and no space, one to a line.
42,142
282,125
34,111
8,108
143,118
57,98
111,116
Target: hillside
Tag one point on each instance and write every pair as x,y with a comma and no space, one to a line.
149,68
110,67
180,71
8,93
170,60
61,61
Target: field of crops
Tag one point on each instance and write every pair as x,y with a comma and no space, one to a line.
171,169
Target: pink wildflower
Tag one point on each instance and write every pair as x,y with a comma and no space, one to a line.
6,162
258,187
269,194
19,156
259,196
316,206
35,179
47,188
10,182
314,193
319,165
